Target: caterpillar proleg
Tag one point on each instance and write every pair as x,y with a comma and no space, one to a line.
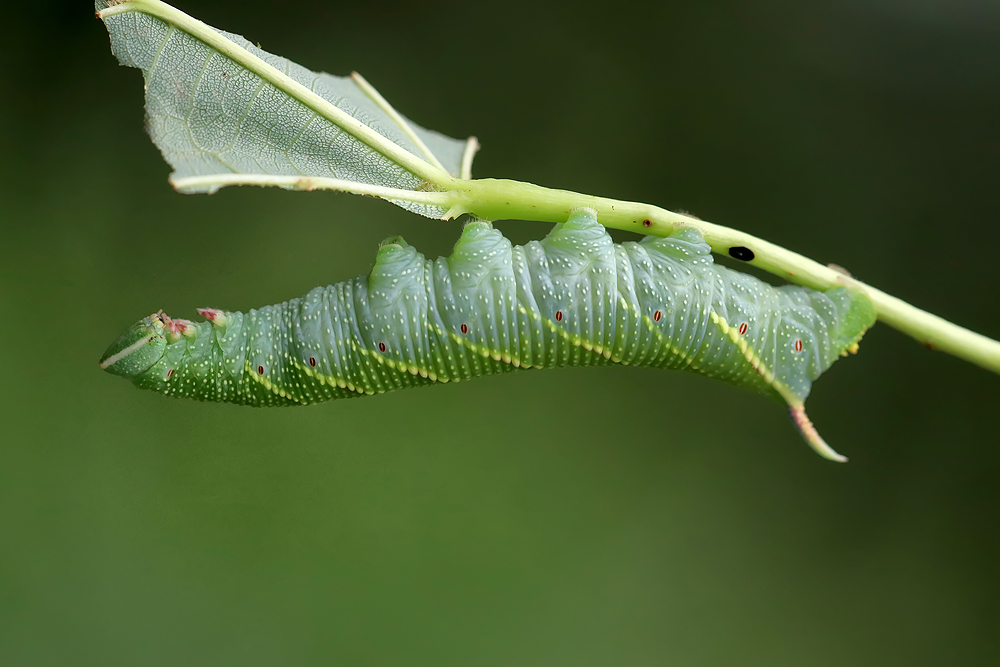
573,298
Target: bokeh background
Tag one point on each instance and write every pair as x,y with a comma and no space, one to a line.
609,516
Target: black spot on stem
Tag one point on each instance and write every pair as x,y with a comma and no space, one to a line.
741,253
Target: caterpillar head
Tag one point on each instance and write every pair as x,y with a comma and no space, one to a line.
138,348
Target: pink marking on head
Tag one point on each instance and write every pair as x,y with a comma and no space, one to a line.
168,325
210,314
179,327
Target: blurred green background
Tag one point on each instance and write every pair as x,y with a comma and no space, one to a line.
611,516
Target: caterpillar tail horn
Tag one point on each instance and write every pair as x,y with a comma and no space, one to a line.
811,435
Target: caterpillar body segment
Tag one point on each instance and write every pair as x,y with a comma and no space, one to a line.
573,298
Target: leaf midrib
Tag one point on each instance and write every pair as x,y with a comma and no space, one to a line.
228,49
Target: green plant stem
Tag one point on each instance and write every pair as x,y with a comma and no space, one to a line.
497,199
501,199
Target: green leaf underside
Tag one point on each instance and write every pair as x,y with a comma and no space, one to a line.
211,116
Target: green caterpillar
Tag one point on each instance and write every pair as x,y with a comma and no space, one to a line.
574,298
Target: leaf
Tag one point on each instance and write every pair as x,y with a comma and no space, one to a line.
223,112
